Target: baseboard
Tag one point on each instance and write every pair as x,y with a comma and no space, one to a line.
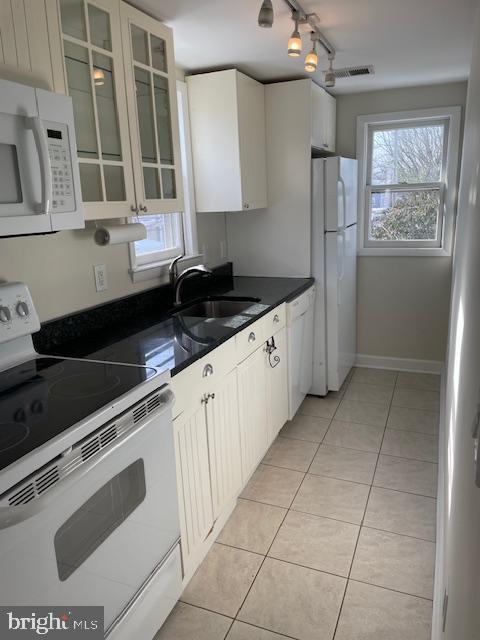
399,364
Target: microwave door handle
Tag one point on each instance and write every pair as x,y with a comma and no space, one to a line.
41,142
13,515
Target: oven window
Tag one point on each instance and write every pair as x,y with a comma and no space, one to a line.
98,517
10,187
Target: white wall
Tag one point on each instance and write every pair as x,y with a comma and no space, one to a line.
402,302
460,543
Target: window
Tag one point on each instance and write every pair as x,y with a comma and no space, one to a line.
408,170
169,234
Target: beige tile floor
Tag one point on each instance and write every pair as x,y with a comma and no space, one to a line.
334,535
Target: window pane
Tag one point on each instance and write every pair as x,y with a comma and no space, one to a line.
73,18
412,155
99,21
159,56
151,183
91,183
98,518
114,183
163,233
139,44
106,107
404,215
164,123
145,115
80,90
168,183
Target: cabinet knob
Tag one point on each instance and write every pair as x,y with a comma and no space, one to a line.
207,371
276,319
144,208
133,208
246,206
252,337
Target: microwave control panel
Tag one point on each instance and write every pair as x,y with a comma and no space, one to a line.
63,195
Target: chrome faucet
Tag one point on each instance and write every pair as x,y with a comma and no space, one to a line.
177,280
173,269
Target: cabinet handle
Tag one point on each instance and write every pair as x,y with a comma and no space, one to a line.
207,371
246,206
133,208
144,208
252,337
276,319
207,396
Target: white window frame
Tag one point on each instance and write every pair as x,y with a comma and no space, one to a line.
156,265
448,189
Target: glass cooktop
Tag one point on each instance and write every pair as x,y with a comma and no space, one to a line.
45,396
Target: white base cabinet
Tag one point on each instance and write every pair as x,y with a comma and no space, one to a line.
230,406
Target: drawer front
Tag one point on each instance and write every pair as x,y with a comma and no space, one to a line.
275,320
248,340
203,375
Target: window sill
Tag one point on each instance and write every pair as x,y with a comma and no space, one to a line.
390,252
159,270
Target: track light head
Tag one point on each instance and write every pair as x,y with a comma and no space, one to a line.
265,16
311,59
329,74
295,42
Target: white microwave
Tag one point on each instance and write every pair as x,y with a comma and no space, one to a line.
39,175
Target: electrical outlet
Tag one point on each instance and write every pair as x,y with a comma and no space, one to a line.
100,271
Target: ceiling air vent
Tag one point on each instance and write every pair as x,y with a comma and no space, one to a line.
352,72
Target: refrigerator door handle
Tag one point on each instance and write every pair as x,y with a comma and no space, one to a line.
344,202
341,264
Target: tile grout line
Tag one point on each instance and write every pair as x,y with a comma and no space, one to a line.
365,511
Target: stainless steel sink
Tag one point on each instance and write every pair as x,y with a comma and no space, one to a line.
216,308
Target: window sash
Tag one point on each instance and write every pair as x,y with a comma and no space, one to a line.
153,257
433,186
408,124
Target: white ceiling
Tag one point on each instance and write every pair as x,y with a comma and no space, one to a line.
410,42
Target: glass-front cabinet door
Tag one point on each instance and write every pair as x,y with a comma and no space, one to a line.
152,110
94,78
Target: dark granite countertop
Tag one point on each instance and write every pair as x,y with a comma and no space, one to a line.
157,337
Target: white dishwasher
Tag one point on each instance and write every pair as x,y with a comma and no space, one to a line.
300,348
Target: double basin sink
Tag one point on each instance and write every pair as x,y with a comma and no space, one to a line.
216,307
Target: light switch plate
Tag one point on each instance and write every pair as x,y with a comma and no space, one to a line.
100,271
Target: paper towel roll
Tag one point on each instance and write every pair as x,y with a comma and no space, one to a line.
120,233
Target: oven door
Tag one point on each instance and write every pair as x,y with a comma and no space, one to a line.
96,535
25,176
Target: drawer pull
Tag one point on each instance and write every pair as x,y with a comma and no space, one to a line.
276,319
251,337
207,371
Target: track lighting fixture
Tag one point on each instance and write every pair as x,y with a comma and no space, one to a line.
265,16
329,74
311,59
295,42
98,77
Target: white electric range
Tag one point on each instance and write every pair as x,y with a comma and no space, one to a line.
88,497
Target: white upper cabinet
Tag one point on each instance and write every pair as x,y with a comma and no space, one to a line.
152,110
117,65
91,47
227,117
323,119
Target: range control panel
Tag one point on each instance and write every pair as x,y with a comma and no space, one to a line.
63,196
17,313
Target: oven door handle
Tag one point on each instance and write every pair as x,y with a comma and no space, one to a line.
12,515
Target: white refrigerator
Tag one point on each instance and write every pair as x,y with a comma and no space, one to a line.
334,267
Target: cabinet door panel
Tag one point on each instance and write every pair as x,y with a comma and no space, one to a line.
252,411
224,443
94,78
152,112
277,385
193,479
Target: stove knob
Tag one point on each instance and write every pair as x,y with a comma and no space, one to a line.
22,309
5,315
